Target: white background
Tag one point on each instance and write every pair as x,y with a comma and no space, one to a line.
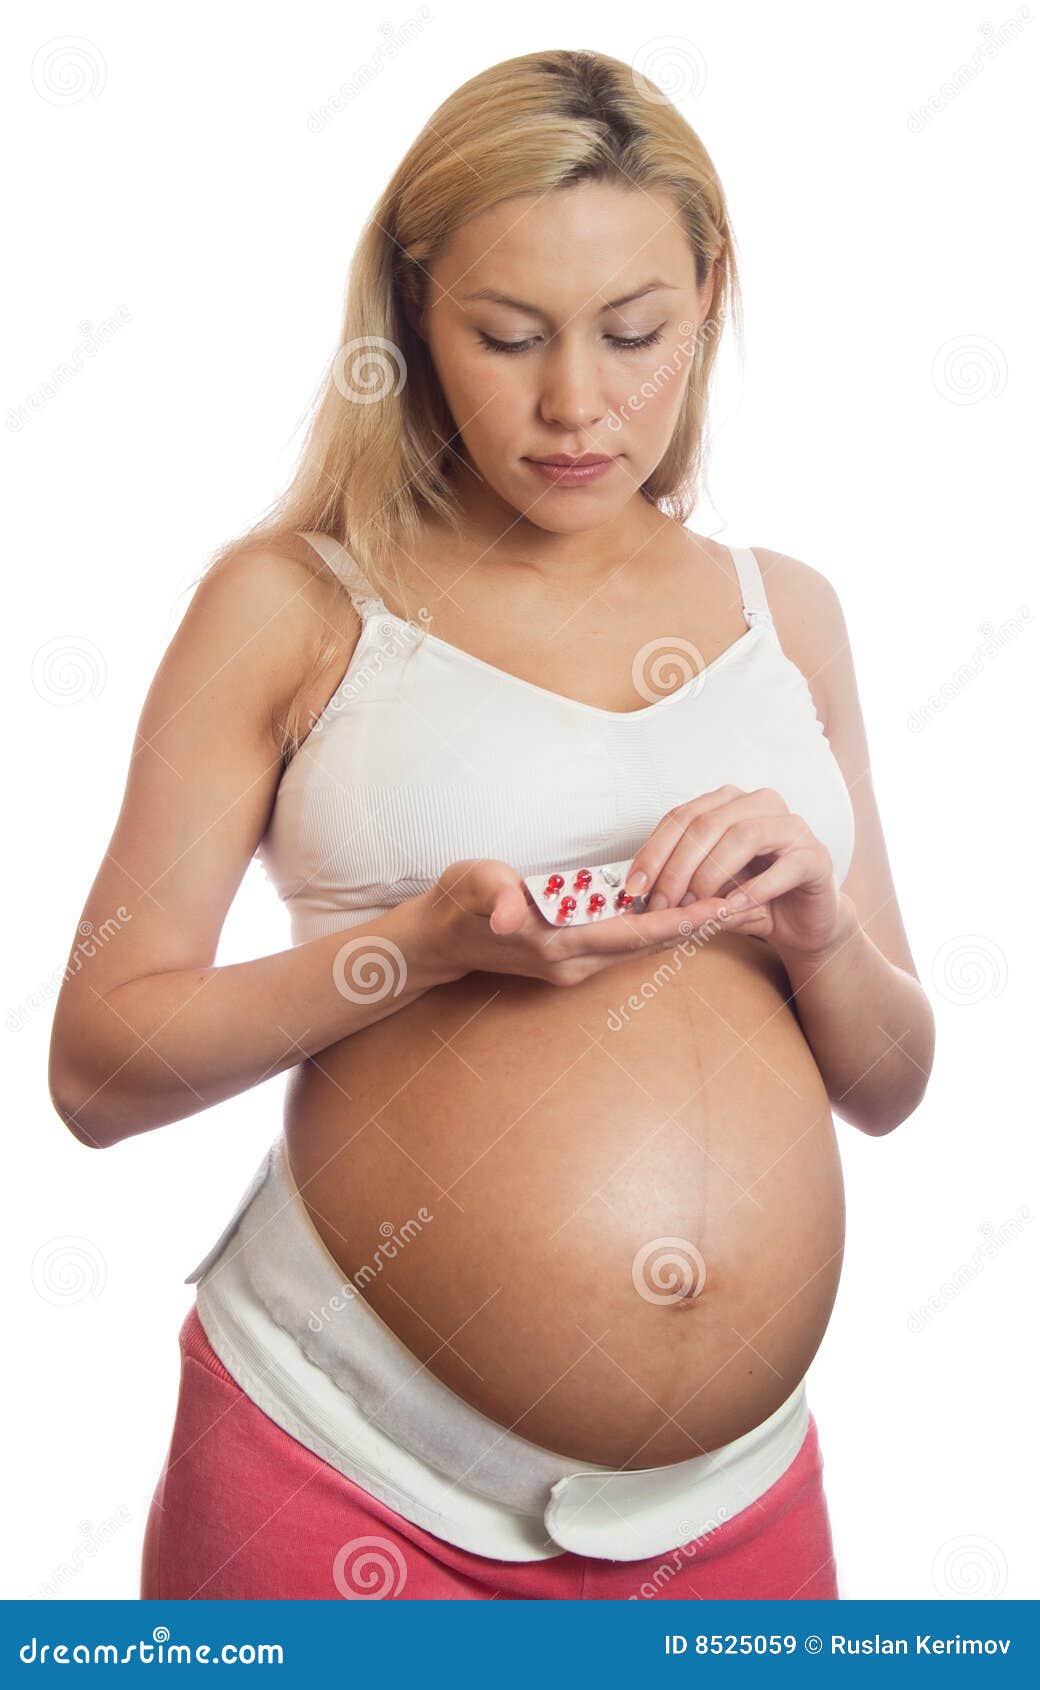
881,427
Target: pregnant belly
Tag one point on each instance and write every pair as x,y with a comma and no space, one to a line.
609,1216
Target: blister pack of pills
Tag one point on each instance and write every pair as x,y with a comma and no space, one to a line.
572,897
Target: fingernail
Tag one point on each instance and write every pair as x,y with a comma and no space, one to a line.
635,882
739,901
658,902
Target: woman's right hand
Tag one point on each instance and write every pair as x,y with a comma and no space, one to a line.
487,921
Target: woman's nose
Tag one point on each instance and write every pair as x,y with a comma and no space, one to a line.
571,393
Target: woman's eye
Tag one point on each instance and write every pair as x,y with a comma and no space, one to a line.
640,340
493,345
623,344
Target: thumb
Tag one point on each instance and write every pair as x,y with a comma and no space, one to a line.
509,910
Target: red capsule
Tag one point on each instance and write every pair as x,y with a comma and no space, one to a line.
597,902
622,901
567,907
553,884
582,879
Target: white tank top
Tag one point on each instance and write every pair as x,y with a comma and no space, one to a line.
426,754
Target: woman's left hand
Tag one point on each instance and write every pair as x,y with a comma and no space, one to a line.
729,843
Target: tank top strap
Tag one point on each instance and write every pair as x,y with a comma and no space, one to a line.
752,587
334,555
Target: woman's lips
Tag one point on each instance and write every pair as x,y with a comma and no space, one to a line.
571,475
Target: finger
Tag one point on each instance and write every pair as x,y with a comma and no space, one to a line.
509,911
656,850
700,842
476,882
795,868
697,847
755,836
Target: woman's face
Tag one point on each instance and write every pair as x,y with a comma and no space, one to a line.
566,325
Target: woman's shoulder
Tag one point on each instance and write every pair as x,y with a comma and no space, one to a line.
278,602
798,582
804,604
809,623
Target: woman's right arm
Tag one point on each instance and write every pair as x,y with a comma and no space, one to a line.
146,1030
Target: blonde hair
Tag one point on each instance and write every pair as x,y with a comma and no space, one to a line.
377,460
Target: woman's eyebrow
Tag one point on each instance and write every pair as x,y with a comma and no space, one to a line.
521,305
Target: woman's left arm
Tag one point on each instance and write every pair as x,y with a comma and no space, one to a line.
854,986
859,999
869,1024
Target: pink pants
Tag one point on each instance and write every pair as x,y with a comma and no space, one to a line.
243,1510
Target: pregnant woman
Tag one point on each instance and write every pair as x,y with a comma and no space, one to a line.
521,1302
